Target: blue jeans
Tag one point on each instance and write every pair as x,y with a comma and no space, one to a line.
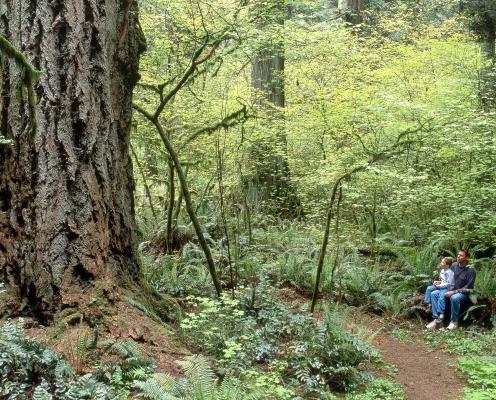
428,292
456,300
438,302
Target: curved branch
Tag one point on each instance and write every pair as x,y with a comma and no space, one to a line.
227,122
396,148
186,194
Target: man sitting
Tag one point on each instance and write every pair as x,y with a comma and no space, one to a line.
464,282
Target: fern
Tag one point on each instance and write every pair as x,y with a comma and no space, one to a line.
199,383
41,392
24,362
149,313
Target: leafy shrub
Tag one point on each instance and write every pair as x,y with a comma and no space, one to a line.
392,303
260,330
358,281
462,342
26,366
485,284
327,354
294,268
216,327
423,261
132,366
171,275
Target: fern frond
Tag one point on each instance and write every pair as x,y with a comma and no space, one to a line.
154,390
201,377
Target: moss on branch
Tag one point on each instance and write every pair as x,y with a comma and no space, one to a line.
20,59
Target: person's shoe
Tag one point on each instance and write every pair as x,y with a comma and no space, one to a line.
434,324
453,325
441,317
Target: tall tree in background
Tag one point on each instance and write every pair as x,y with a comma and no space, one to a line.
66,187
351,10
483,21
272,174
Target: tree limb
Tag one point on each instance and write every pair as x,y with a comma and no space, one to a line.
227,122
396,148
20,59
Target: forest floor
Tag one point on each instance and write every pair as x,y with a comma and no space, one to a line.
424,373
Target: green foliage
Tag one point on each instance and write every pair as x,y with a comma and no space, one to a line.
361,282
380,389
468,342
296,348
178,276
199,383
217,326
27,367
481,372
485,284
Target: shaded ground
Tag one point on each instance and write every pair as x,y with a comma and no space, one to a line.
154,340
425,374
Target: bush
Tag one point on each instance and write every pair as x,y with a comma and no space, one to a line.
485,283
199,382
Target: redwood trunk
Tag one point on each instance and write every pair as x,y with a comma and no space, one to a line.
272,177
66,194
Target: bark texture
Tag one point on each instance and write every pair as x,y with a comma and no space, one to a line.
66,192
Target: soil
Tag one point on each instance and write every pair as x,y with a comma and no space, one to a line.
425,374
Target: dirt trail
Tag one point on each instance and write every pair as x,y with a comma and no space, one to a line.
425,374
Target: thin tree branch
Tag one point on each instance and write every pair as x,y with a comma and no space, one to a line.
226,123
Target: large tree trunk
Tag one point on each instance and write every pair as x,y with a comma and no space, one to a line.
488,81
351,11
272,177
66,192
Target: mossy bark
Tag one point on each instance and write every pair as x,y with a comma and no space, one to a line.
66,194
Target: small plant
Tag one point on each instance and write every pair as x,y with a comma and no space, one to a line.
217,327
380,389
27,367
481,372
78,349
260,338
485,284
462,342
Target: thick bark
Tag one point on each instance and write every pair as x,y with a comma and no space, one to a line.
66,194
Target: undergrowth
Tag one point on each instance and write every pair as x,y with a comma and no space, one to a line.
29,370
294,349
